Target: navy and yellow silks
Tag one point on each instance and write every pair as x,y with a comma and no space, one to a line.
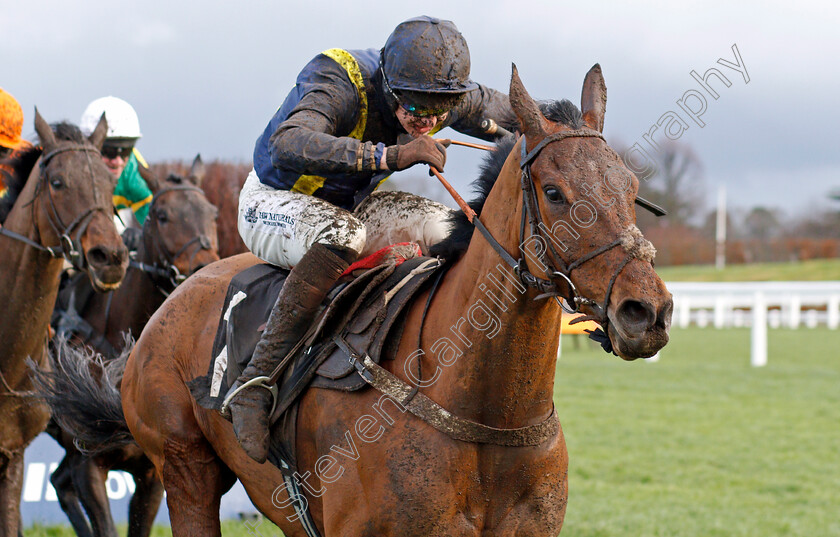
308,184
334,73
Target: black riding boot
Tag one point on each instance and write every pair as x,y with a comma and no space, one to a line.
297,304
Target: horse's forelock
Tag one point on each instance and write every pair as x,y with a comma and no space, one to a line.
68,132
563,111
175,179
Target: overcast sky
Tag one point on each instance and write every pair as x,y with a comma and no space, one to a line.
206,76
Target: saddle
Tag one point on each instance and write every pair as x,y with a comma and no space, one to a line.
364,314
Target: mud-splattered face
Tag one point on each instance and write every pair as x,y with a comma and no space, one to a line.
586,199
418,126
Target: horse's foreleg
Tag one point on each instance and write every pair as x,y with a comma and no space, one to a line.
11,484
195,479
68,500
89,480
145,501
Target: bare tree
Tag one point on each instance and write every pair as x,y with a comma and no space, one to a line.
762,223
676,184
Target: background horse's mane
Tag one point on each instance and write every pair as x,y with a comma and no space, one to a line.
14,171
564,112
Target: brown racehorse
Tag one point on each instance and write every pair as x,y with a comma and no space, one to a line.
488,356
222,183
179,237
63,211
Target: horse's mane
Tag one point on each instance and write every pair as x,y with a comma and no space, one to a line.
14,171
459,238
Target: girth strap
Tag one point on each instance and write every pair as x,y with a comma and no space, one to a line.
440,418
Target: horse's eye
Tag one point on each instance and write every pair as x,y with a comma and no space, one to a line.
56,183
553,194
161,216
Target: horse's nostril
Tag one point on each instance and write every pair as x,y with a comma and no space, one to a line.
665,312
97,256
120,255
636,316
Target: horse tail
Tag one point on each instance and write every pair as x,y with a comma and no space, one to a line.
81,390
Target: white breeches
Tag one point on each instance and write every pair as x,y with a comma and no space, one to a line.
279,226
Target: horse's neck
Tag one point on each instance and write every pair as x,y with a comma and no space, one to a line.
505,376
29,286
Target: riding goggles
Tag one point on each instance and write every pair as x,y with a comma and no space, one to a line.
112,152
421,113
414,110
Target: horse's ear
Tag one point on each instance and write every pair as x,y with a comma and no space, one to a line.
593,98
150,177
97,137
45,132
530,118
197,171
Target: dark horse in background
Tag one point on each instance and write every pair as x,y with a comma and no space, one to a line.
178,238
221,184
60,211
409,476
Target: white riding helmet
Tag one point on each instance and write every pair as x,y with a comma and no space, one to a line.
121,117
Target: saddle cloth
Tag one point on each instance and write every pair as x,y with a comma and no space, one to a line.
366,312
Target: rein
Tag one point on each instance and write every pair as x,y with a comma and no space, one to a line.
471,431
69,247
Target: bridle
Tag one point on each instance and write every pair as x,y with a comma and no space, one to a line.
557,270
69,247
164,266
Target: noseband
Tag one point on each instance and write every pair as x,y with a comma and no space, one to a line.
557,270
70,248
165,267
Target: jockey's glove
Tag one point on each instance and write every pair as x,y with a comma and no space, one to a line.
423,149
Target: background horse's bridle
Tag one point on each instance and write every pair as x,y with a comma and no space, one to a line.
69,247
164,266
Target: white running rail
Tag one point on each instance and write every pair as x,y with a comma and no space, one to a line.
756,305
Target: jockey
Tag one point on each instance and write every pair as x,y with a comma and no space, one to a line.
119,153
11,126
352,118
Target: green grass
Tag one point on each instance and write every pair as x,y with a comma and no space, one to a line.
230,528
813,270
699,444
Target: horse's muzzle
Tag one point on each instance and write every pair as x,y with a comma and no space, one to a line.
106,266
638,329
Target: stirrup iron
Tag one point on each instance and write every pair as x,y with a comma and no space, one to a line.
256,381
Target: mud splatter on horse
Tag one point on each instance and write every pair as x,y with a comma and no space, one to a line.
493,459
